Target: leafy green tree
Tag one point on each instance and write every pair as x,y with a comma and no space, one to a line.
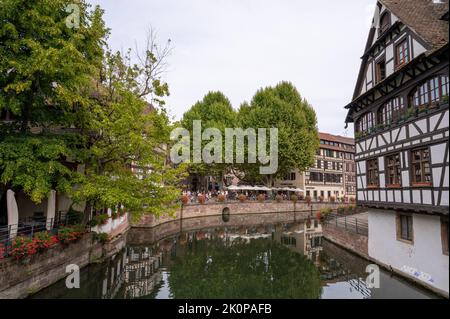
214,111
72,102
44,69
281,107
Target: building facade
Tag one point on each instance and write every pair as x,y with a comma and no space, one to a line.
401,116
333,173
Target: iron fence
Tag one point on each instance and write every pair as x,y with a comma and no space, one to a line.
28,227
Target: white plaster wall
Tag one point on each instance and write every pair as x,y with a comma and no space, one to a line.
425,254
418,49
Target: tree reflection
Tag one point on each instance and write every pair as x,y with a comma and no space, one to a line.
261,268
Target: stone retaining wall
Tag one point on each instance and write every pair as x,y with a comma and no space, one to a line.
354,242
19,279
235,208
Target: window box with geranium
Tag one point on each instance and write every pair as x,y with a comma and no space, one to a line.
67,235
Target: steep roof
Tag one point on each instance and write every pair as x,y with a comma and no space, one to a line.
336,138
424,18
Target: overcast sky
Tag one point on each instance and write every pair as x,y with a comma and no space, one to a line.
239,46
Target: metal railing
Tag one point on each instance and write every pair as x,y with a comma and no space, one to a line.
350,223
29,227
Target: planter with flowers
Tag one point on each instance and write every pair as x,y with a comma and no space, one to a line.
70,234
221,198
308,199
278,198
23,247
261,198
242,198
294,198
184,199
201,199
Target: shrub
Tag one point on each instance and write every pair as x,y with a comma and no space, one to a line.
44,240
261,198
341,210
93,222
22,247
121,211
101,237
101,219
242,198
201,199
321,199
278,198
294,198
308,199
70,234
332,199
350,208
74,217
221,198
184,199
323,213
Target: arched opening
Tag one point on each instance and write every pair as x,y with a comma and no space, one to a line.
226,214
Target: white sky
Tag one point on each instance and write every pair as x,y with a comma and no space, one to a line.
239,46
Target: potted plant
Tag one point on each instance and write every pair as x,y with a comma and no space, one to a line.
294,198
184,199
278,198
308,199
321,199
242,198
201,199
332,199
221,198
102,238
102,219
261,198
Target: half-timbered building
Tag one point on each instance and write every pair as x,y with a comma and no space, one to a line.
401,118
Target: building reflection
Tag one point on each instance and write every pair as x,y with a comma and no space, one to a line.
132,273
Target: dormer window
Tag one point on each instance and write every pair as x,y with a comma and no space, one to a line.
385,22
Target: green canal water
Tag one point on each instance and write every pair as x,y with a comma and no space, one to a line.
271,260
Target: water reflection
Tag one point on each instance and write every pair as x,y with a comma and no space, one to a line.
272,260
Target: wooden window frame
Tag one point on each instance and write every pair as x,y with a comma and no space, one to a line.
444,235
406,56
397,167
421,162
378,63
372,170
391,110
398,221
416,96
384,27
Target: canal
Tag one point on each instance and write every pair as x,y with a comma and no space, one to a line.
244,258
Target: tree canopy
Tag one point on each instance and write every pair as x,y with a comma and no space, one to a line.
279,107
81,118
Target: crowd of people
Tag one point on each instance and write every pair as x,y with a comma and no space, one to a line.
229,195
